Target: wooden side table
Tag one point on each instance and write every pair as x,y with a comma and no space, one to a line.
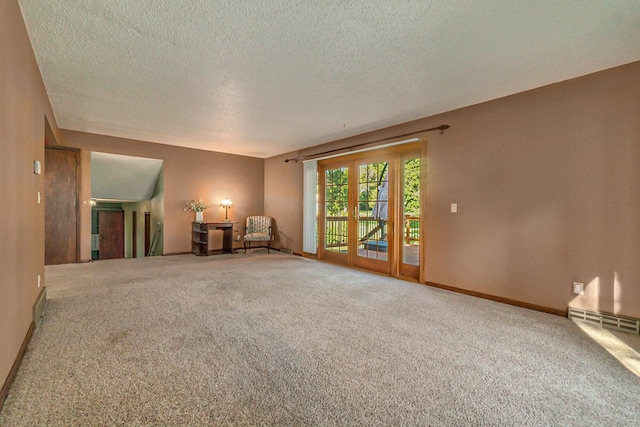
200,236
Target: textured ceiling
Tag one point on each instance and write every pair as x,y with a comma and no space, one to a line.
261,78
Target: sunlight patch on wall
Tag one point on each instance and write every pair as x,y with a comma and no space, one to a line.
602,295
617,293
590,300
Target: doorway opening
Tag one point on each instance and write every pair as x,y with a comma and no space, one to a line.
126,185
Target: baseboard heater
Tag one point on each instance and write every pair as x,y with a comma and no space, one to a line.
609,321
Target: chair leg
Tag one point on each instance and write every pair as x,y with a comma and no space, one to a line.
245,247
268,246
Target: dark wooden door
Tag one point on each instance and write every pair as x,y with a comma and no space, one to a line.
111,230
60,206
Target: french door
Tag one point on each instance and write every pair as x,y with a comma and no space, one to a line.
372,220
411,196
369,211
335,206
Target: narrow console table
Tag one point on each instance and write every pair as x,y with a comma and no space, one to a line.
200,236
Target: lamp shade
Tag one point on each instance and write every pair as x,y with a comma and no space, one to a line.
226,202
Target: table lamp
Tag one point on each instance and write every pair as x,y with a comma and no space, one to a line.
227,204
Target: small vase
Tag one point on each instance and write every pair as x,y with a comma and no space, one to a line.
199,217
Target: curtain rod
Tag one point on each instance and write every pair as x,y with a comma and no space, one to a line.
441,128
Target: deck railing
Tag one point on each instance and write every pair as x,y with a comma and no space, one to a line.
337,230
411,229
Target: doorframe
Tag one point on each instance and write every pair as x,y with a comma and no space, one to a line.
78,177
134,234
147,233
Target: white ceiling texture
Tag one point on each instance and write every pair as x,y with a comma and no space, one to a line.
261,78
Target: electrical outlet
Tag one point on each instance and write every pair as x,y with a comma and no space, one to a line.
238,237
454,208
39,279
578,288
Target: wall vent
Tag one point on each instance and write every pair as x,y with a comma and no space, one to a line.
609,321
286,251
39,306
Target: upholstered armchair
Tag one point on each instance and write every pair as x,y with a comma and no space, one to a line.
258,229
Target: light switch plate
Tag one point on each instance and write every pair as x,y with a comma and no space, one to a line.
454,207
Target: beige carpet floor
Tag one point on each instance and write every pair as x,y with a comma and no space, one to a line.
274,339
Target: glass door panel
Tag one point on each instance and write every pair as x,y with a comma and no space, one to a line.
335,213
372,216
410,214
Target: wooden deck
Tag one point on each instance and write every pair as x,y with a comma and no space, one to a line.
410,254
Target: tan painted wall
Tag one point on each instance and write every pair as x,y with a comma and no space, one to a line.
189,173
23,107
283,201
548,190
